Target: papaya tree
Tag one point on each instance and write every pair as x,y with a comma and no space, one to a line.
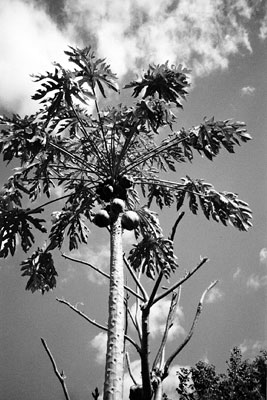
108,161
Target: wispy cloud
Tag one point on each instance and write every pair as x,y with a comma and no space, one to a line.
247,90
214,295
99,344
237,273
98,256
203,34
256,282
263,256
157,321
29,42
251,347
263,24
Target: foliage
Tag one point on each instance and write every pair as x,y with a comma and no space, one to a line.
103,162
244,380
95,158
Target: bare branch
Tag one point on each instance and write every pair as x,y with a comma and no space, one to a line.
174,301
190,334
129,368
60,375
137,319
154,290
134,322
100,272
137,281
34,210
177,284
93,322
88,319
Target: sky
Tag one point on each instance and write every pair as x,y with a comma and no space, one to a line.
224,43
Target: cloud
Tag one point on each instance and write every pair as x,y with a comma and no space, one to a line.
201,33
214,295
263,256
237,273
263,25
256,282
98,257
248,91
99,344
252,347
29,42
169,384
157,320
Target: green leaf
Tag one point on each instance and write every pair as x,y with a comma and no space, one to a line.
92,70
15,224
153,255
162,194
41,270
223,207
211,136
168,83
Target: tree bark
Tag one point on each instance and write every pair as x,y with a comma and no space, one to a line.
145,371
114,370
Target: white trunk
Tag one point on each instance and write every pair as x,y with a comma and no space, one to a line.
113,386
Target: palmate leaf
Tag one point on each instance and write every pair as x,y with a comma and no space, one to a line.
69,222
168,83
92,70
162,194
61,86
149,223
209,137
77,231
17,222
154,254
40,268
224,207
21,138
155,113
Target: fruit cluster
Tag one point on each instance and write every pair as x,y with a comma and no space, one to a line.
109,189
129,219
115,193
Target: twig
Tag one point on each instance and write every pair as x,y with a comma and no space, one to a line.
88,319
60,375
195,321
137,281
93,322
174,228
100,272
177,284
129,368
154,290
35,210
174,301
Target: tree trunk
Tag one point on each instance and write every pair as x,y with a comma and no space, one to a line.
145,371
113,386
158,395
